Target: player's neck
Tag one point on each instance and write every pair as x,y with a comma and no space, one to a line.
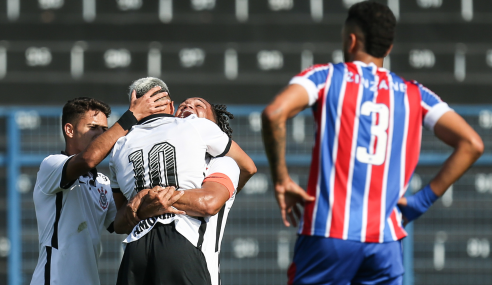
71,149
367,59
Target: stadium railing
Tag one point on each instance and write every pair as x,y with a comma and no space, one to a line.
449,245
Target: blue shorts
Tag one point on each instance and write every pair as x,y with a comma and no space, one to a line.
320,260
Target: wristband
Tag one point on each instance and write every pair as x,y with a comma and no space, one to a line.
418,203
127,121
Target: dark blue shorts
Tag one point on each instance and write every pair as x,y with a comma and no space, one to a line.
320,260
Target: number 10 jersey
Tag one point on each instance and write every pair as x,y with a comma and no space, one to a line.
367,145
166,151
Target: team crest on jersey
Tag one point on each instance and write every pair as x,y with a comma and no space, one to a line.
103,199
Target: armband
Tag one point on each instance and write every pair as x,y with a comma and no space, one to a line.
127,121
418,203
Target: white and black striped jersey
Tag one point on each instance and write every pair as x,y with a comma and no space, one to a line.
166,151
71,219
215,225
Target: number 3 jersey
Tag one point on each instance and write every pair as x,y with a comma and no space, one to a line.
166,151
367,145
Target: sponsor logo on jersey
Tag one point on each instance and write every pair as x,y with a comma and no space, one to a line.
103,199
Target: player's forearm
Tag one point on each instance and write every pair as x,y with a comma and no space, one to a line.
274,133
246,165
464,155
94,153
101,146
198,202
121,223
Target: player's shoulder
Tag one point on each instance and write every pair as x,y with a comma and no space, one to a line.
53,160
200,124
315,69
222,163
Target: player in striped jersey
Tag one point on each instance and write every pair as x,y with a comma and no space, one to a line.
368,135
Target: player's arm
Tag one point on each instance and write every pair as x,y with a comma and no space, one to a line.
127,217
98,149
245,163
292,100
199,202
217,188
453,130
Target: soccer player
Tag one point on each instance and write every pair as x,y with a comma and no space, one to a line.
164,150
368,135
73,201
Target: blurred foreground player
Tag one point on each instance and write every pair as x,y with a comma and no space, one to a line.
368,135
73,201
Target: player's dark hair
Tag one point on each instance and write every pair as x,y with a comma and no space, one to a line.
377,24
222,117
76,108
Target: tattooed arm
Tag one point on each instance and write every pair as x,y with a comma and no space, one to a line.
292,100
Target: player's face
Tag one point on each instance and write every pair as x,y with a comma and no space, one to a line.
89,127
198,106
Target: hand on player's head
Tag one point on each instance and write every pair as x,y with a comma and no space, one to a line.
197,106
151,103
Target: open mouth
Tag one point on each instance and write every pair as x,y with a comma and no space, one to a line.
186,113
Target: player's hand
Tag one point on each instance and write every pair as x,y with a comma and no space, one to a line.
131,215
289,196
160,201
403,203
147,105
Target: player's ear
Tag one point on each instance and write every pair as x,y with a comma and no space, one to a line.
353,43
69,130
171,108
389,50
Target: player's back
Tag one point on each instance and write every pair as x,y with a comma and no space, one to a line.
367,146
166,151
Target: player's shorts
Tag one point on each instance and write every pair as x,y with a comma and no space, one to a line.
163,256
323,261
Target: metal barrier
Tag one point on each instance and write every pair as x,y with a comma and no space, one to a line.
257,249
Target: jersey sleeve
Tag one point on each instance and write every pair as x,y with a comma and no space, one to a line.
51,174
217,142
313,79
432,107
224,170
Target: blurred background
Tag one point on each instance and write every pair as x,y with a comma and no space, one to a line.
239,52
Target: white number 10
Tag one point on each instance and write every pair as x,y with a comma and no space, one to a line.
379,131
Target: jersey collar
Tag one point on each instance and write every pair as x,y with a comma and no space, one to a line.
154,116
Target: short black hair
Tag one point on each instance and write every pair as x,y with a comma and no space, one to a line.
377,24
76,108
222,117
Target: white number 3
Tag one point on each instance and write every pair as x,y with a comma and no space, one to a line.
379,131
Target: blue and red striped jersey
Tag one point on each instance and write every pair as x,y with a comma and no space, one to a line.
368,133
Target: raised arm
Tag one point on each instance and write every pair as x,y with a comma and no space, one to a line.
98,149
452,129
292,100
245,163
